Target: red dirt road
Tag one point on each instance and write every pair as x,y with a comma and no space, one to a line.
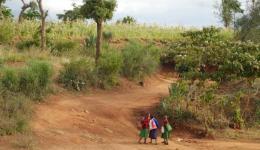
107,120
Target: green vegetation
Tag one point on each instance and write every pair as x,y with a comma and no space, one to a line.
205,55
202,103
100,11
15,112
140,61
17,88
31,80
218,86
77,74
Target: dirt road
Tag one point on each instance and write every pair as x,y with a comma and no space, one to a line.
108,120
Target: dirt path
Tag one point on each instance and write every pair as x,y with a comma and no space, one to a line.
107,120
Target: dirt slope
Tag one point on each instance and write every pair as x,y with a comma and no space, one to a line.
108,120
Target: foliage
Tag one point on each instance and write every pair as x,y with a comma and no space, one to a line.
31,81
248,25
200,103
35,79
7,31
204,55
32,14
107,36
127,20
139,61
71,15
78,74
227,9
108,68
99,10
26,44
63,46
5,13
15,111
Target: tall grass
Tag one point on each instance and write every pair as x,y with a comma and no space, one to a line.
80,30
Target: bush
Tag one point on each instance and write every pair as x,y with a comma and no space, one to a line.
9,79
26,44
35,79
139,61
108,68
107,36
7,32
78,74
63,46
32,81
90,41
206,55
15,111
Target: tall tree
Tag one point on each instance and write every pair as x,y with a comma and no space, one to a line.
227,10
26,6
44,14
100,11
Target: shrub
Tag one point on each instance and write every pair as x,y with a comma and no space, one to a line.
139,61
108,68
90,41
35,79
26,44
32,81
7,32
63,46
9,79
107,36
15,111
78,74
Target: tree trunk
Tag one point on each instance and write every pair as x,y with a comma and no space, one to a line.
99,40
43,18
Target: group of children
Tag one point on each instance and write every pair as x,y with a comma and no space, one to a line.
150,127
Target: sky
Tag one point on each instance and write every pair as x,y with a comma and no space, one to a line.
193,13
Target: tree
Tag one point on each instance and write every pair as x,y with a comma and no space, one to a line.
227,10
44,14
100,11
32,14
248,25
26,6
71,15
128,20
5,12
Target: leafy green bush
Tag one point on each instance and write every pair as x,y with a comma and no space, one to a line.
78,74
90,41
63,46
32,81
139,61
107,36
204,55
108,68
15,111
26,44
7,32
9,79
201,103
35,79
